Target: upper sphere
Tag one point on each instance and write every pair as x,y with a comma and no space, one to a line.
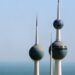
36,53
58,24
59,50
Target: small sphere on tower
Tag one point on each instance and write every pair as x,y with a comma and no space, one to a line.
36,53
58,24
59,50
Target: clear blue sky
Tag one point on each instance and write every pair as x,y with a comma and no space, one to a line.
17,28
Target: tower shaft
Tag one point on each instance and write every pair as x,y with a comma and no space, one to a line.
58,32
58,35
58,69
51,65
36,67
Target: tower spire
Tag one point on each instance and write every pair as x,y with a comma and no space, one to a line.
58,9
36,37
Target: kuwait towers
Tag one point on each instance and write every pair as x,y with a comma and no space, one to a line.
57,48
36,53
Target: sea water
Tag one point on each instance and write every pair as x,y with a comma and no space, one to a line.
25,69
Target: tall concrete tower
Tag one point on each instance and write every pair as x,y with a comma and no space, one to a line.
59,50
36,52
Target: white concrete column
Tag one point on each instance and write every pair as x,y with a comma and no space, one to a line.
36,67
51,65
58,35
58,68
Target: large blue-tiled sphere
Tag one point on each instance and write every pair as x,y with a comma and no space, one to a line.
36,52
59,50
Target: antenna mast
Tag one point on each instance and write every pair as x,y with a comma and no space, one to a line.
36,37
58,11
